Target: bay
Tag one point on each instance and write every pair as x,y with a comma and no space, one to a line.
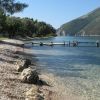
77,68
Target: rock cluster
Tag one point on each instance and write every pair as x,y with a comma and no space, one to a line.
29,75
25,64
34,94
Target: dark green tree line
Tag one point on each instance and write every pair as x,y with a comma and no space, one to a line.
16,26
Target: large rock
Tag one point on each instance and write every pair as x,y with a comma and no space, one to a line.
25,64
29,75
34,94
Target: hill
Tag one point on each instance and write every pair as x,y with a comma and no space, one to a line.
88,24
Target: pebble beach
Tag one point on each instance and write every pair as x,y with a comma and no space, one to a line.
11,87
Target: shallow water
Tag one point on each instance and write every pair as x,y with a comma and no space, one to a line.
76,68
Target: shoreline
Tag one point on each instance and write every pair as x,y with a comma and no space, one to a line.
13,89
11,86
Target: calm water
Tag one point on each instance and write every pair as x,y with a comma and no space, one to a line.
78,68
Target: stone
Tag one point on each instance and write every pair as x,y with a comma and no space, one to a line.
33,94
25,64
29,75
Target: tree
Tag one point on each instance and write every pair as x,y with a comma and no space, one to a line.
44,29
24,27
11,6
28,26
2,20
13,26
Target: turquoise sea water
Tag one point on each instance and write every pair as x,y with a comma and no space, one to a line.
77,67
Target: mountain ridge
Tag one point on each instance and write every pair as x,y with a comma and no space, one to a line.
88,24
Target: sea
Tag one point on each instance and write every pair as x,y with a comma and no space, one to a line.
76,69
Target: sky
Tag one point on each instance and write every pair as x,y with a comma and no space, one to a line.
57,12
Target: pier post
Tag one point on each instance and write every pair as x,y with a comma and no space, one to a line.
51,43
69,43
97,43
41,44
32,44
64,43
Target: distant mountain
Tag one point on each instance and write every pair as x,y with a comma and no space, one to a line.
88,24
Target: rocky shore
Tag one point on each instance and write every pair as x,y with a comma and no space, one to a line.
19,77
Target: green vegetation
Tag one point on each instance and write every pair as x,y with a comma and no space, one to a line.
13,27
3,38
11,6
88,24
2,20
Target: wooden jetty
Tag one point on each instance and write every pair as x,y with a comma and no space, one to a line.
47,43
65,43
